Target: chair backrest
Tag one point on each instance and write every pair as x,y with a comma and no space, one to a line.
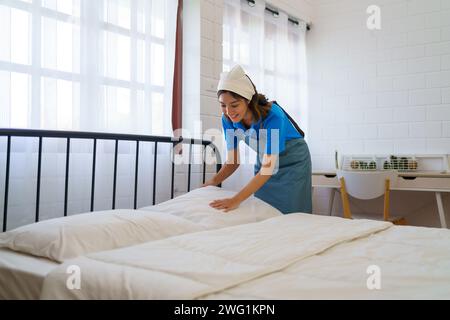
367,184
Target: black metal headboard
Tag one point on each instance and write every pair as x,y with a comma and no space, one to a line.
95,136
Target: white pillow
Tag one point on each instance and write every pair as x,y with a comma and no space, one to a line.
194,206
68,237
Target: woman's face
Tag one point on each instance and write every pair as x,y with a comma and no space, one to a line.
234,108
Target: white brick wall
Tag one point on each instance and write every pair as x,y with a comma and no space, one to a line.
400,83
402,107
445,95
409,82
438,112
425,97
409,114
392,131
211,15
201,69
446,129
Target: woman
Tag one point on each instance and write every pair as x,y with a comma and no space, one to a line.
283,167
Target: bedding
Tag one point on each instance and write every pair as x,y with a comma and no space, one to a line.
202,264
22,275
413,263
194,206
68,237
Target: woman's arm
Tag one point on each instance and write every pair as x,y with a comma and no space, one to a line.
227,169
267,169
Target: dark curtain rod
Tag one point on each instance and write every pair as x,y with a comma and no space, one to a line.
276,13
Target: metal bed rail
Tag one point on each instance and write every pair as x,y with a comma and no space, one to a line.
95,136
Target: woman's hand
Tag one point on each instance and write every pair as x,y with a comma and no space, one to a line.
211,182
225,204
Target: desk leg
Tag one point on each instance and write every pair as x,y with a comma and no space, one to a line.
330,203
441,210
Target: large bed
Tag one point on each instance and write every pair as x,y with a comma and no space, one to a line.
31,252
297,256
184,249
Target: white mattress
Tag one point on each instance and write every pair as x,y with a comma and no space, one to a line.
22,275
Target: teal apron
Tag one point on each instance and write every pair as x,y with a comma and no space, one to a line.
289,189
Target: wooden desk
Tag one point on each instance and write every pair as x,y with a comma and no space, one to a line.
431,181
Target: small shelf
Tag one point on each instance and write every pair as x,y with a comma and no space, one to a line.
402,163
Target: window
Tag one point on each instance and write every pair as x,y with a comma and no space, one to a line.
98,65
90,65
272,51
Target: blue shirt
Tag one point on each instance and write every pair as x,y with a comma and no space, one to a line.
276,119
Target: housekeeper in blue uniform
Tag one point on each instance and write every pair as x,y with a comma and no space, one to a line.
283,166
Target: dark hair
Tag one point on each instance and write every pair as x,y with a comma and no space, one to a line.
259,105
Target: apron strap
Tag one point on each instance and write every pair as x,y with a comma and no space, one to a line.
292,121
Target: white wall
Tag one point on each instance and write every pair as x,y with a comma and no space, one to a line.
381,91
384,91
202,65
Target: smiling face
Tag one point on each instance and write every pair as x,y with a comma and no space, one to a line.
235,108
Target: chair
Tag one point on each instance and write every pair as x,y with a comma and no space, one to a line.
368,185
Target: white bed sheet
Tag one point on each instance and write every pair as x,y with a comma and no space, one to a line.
289,257
22,275
199,264
413,263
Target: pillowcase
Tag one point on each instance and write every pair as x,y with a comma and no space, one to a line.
68,237
194,206
64,238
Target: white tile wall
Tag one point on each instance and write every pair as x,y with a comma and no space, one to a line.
409,82
400,89
445,62
409,114
438,49
438,112
425,97
445,95
200,103
399,102
392,131
211,63
422,65
446,129
432,129
392,99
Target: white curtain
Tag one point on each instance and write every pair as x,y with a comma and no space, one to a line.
90,65
272,51
104,65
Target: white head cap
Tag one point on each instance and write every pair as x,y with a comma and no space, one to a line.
237,81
